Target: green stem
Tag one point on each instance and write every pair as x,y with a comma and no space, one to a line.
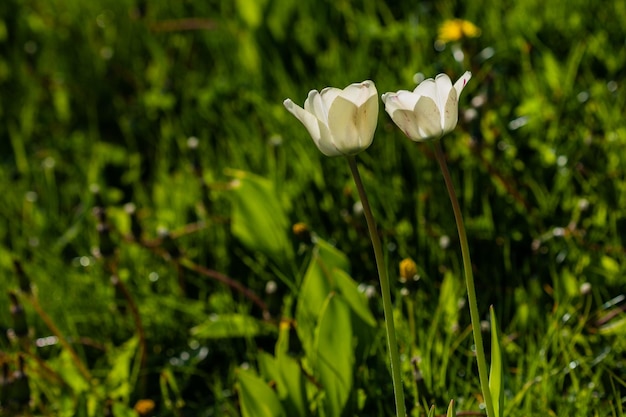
469,281
384,289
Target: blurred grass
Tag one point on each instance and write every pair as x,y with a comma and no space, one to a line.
108,94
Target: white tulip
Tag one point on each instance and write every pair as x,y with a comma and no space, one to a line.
428,112
341,122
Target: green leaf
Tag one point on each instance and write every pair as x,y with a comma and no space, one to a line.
496,381
119,381
334,359
171,393
353,297
614,327
289,378
251,11
451,290
331,257
258,218
65,366
257,398
451,412
316,285
220,326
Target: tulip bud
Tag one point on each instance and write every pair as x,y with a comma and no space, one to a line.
428,112
341,122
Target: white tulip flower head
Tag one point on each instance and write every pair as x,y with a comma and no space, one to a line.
428,112
341,122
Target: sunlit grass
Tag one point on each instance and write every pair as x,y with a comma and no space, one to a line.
109,95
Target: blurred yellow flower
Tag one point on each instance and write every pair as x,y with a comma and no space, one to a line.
456,29
408,269
144,407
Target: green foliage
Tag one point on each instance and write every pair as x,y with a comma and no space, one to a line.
496,371
258,219
257,398
167,117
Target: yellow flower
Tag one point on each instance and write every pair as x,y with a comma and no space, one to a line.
144,407
456,29
408,269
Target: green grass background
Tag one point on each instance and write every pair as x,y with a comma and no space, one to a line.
106,95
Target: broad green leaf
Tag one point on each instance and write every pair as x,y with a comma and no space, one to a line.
257,398
334,359
496,381
258,218
313,293
290,381
331,257
317,283
220,326
267,366
355,299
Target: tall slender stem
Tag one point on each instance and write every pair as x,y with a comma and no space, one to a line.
469,281
384,289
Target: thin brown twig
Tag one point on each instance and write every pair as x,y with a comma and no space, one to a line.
55,330
248,293
111,267
176,25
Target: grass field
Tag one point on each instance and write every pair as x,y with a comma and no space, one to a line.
172,243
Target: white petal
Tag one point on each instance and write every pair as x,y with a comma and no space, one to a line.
359,93
306,118
444,85
462,82
450,112
317,129
326,143
428,118
315,104
342,119
407,121
328,95
427,88
404,100
367,119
